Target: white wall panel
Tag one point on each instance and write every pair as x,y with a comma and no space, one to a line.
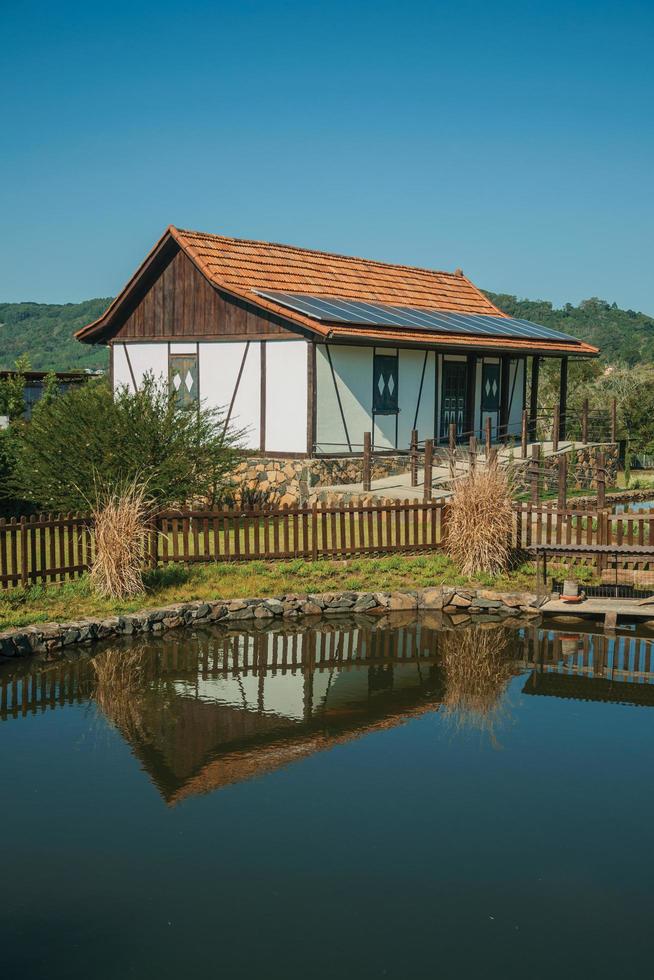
516,381
353,371
410,373
286,396
144,358
219,368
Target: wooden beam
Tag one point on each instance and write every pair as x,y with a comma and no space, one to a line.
563,397
533,399
471,388
505,381
262,407
311,398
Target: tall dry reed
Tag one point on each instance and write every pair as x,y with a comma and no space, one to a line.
478,665
121,532
480,521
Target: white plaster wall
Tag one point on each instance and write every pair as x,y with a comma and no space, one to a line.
410,372
219,365
286,396
516,408
143,358
353,371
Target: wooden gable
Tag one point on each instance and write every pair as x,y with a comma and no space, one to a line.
180,302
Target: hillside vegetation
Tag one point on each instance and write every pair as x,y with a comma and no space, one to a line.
623,336
45,331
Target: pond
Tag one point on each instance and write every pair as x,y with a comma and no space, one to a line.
366,798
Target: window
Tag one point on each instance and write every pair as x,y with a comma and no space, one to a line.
384,385
183,377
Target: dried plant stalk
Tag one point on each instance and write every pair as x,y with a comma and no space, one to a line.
478,665
121,678
120,541
480,521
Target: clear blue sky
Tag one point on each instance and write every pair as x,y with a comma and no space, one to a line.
513,139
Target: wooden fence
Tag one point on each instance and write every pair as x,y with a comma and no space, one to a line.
48,548
52,548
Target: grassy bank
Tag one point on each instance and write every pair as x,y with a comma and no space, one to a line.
177,583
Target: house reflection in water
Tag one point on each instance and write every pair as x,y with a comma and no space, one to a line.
206,710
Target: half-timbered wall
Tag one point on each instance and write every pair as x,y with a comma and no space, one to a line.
229,376
344,393
344,379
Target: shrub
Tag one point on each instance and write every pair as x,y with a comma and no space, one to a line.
87,443
480,521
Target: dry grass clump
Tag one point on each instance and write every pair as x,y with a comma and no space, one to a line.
121,530
478,666
480,521
121,677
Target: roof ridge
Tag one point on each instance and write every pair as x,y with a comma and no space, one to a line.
317,251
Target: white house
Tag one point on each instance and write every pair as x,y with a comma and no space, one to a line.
309,350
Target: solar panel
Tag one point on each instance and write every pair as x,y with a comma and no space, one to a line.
338,311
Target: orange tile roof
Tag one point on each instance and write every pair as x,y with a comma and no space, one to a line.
241,267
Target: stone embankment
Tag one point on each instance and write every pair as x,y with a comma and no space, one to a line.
456,606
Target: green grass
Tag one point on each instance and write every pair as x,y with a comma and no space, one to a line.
178,583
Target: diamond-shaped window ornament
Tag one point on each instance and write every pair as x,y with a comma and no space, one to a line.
177,382
494,387
189,380
487,387
391,384
380,384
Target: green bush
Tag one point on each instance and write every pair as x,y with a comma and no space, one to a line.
88,442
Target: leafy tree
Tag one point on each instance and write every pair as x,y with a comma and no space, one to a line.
87,443
12,390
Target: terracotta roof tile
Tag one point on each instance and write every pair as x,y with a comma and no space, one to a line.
243,265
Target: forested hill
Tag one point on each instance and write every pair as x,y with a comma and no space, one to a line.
45,331
623,336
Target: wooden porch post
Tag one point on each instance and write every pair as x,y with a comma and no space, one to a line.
533,400
563,397
505,375
470,395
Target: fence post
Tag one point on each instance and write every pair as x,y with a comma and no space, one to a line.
429,453
452,437
414,457
489,435
600,477
614,420
534,473
584,421
556,424
367,439
314,531
524,434
24,554
472,453
563,482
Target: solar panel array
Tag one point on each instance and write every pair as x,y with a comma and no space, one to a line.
350,311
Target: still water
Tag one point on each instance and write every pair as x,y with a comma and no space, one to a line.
361,799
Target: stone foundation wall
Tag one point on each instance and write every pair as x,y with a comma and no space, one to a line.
292,481
454,606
